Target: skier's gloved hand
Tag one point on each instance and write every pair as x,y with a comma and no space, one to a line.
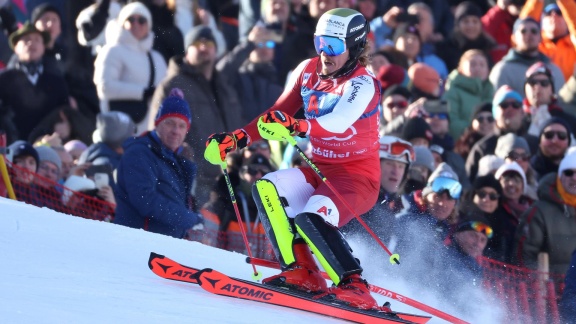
296,127
226,142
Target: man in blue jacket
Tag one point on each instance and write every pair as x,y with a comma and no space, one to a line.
154,181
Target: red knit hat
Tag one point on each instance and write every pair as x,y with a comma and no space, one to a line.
424,77
174,106
390,74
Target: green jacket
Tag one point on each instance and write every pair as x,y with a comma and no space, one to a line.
548,226
463,95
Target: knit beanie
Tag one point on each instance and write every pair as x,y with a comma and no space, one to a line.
134,8
46,153
114,127
503,93
397,90
488,164
511,167
174,106
416,127
539,68
519,22
424,158
483,107
424,77
467,8
487,181
75,145
556,120
197,33
568,162
390,75
22,148
507,143
468,216
41,9
442,171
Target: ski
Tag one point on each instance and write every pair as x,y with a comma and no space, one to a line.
218,283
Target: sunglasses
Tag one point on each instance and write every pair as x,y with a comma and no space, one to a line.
518,157
556,11
453,187
253,170
533,31
492,196
399,149
397,104
140,20
267,44
569,173
560,134
478,227
258,146
331,46
543,83
443,116
508,104
482,119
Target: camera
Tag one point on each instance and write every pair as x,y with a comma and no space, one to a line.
405,17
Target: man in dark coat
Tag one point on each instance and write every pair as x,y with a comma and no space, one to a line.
154,181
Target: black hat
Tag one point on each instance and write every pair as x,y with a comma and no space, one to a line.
258,159
415,128
404,29
41,9
557,120
470,215
21,148
487,181
467,8
483,107
197,33
397,90
26,29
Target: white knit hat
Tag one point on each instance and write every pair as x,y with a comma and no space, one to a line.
568,162
512,167
134,8
488,164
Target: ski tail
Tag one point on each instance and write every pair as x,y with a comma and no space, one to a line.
169,269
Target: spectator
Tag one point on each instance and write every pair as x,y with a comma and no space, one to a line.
75,148
554,140
215,103
468,34
540,103
513,148
49,173
25,163
395,158
127,70
154,182
407,40
498,22
468,86
489,164
67,122
558,24
389,74
550,224
426,82
395,102
482,125
420,170
252,72
521,56
47,18
170,40
509,117
29,91
417,131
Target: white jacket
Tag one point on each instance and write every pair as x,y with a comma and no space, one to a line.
122,69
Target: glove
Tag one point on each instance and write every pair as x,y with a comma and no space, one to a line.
148,93
296,127
227,142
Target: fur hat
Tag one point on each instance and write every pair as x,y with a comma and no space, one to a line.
197,33
46,153
507,143
174,106
114,127
134,8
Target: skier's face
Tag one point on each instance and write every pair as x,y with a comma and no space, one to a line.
333,63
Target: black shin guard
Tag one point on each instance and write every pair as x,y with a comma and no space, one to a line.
329,246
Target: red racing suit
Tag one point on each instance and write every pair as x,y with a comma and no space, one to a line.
343,115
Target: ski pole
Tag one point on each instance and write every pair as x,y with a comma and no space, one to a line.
378,290
256,275
394,258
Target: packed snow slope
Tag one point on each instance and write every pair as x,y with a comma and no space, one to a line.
62,269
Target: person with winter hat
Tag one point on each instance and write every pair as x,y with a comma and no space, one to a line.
513,148
396,155
417,131
390,75
153,181
47,18
550,224
482,125
25,159
420,169
127,69
553,142
489,164
395,102
425,81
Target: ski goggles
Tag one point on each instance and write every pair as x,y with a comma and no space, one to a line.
453,187
399,149
478,227
331,46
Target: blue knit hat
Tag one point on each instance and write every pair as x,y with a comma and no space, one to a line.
503,93
174,106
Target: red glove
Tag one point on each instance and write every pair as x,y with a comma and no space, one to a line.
297,127
229,141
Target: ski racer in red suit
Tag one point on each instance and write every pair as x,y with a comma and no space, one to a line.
299,212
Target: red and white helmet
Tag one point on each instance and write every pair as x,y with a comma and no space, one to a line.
394,148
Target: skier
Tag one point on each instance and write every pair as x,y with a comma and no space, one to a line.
299,212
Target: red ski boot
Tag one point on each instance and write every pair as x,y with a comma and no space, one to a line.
302,275
354,292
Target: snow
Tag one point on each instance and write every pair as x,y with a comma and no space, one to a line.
62,269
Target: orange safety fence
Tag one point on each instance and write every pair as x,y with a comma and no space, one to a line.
34,189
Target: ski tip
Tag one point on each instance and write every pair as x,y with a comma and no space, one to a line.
154,255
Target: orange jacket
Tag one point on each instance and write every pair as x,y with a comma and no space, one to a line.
562,52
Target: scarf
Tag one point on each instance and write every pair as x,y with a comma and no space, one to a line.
568,198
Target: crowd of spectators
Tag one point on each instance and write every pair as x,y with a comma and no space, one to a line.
481,94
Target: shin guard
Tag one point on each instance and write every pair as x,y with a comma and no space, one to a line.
329,246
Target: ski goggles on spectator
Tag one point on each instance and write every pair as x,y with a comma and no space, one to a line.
399,149
397,104
491,195
267,44
478,227
453,187
331,46
560,134
508,104
139,19
514,156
